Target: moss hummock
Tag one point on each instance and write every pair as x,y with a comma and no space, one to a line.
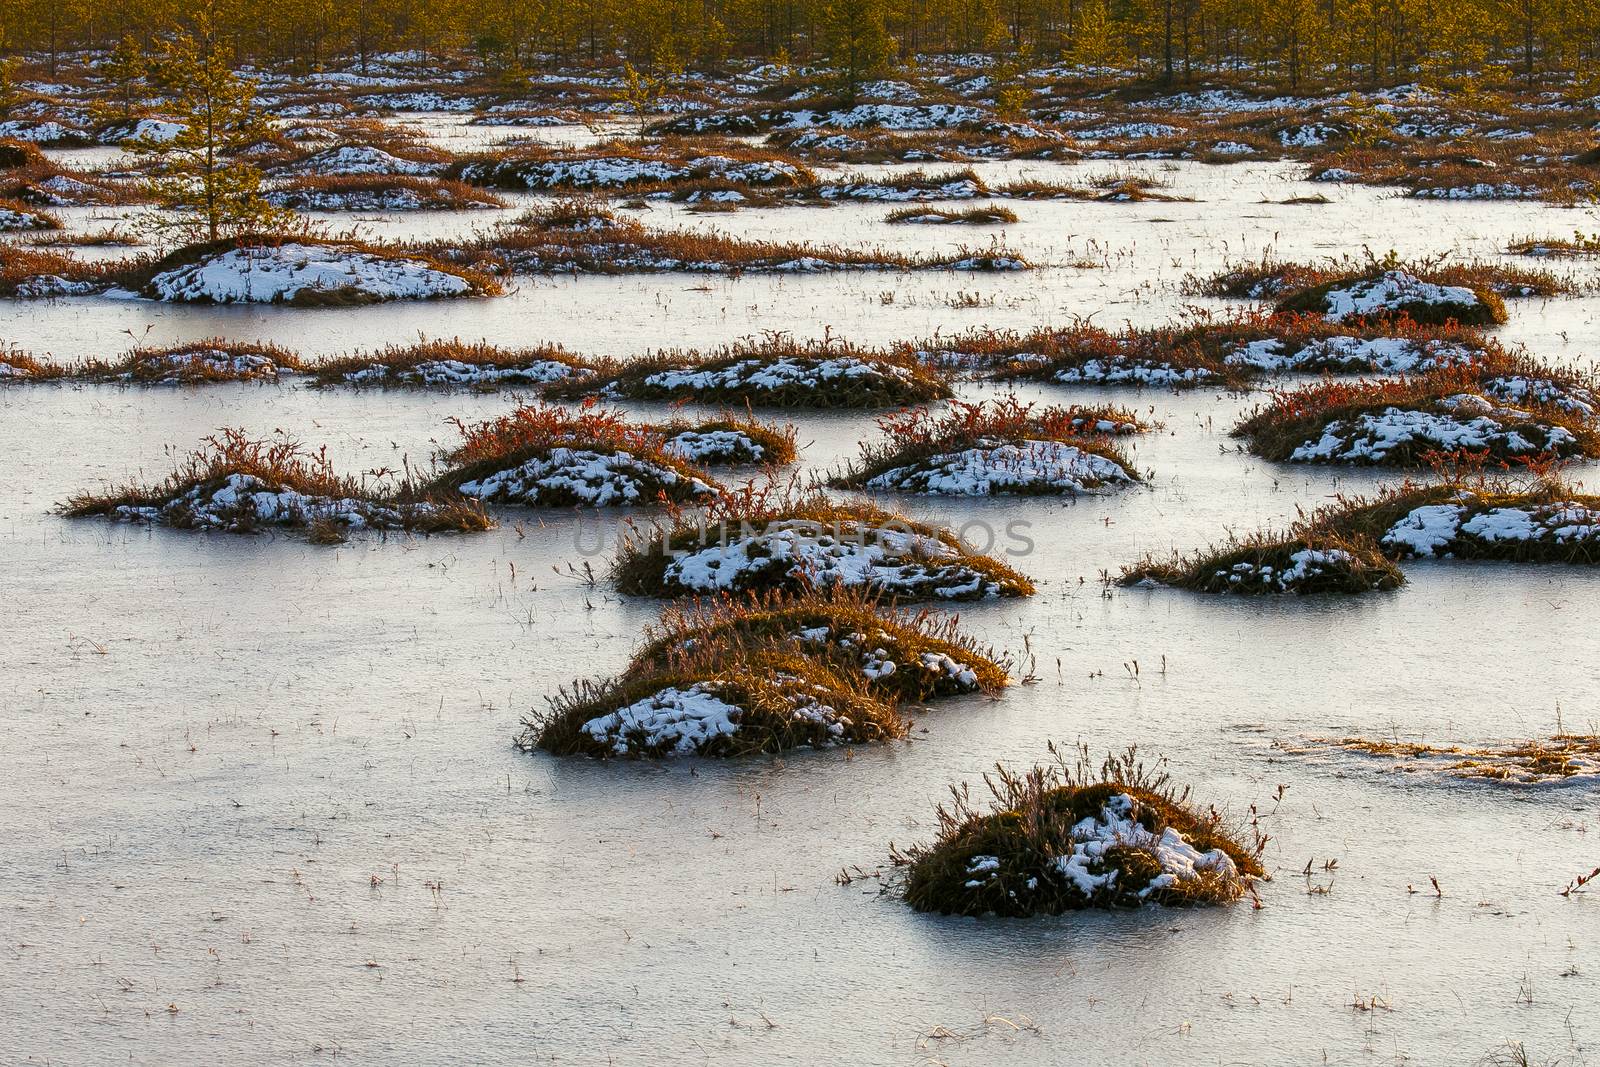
744,542
1062,838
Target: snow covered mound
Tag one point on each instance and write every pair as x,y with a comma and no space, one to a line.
241,503
763,381
891,559
587,477
859,117
419,197
1403,435
994,467
785,380
1393,294
1474,528
305,274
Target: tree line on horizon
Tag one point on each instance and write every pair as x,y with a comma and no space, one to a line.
1295,43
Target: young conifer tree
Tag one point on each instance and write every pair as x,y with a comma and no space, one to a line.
200,176
858,44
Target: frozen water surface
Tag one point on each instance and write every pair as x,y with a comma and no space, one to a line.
263,805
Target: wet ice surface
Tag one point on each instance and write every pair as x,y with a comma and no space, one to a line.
264,805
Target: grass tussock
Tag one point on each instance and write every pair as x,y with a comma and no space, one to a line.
242,485
726,703
213,359
1304,561
17,365
1404,421
444,362
775,371
37,272
922,441
1473,515
1271,278
764,538
986,215
545,455
911,656
1579,244
1063,837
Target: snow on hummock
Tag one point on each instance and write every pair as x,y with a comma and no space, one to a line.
714,446
359,159
1305,565
447,372
1436,529
269,274
886,559
611,172
1087,869
13,219
1391,291
239,502
1372,436
1388,355
598,479
677,722
686,721
178,366
993,467
773,374
1127,370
